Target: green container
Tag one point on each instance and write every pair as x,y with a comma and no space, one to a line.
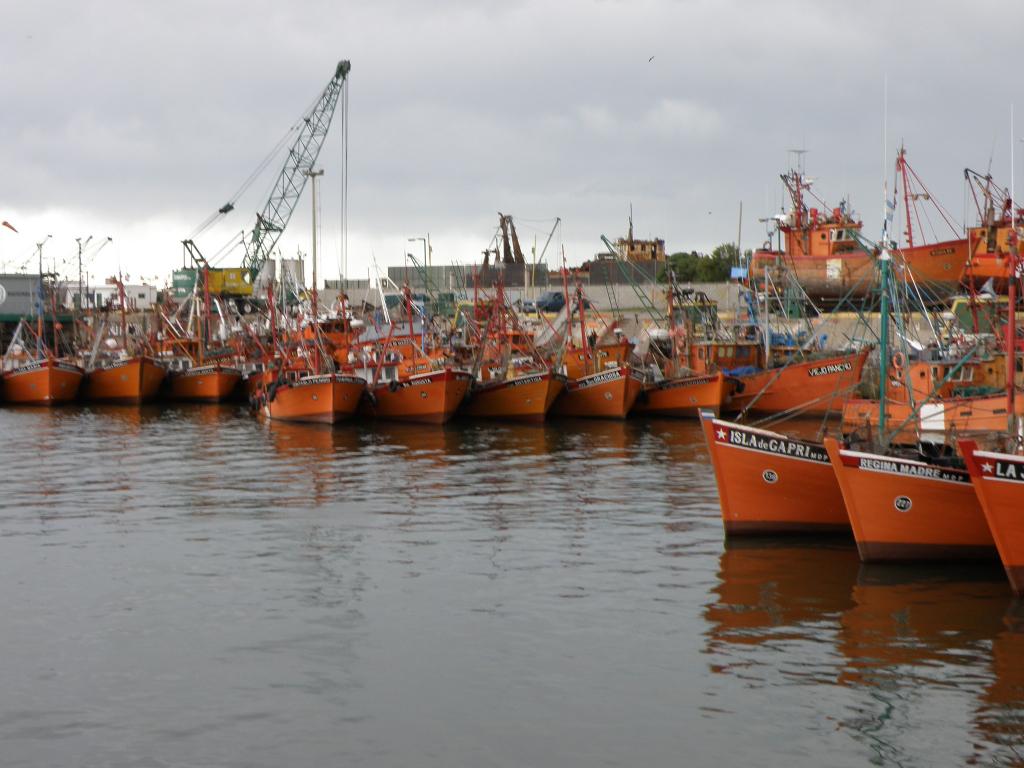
183,282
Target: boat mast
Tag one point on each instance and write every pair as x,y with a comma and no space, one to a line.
1011,336
40,344
499,315
53,307
672,323
885,264
204,325
568,306
124,320
901,167
407,292
273,320
587,353
767,325
1011,325
883,356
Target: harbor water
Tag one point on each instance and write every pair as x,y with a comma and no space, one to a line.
188,586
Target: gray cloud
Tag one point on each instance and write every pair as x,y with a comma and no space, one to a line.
143,118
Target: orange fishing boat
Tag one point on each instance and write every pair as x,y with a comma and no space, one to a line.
905,509
931,399
130,381
428,398
38,377
325,398
302,383
998,481
412,378
512,380
826,253
769,483
600,382
787,373
992,242
205,383
48,381
683,392
119,368
528,397
202,375
685,396
608,394
933,421
812,387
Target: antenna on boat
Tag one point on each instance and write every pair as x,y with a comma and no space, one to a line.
1011,325
798,161
885,131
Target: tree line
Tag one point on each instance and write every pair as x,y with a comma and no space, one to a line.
694,267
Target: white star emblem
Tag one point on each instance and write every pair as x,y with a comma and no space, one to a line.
986,467
721,434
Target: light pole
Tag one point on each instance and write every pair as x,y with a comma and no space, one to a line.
314,308
426,248
39,299
39,247
314,175
81,298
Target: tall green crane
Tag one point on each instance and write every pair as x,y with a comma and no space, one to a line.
259,243
301,158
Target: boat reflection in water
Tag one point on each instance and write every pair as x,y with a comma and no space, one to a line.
887,653
682,439
999,718
319,452
905,619
917,643
779,589
311,444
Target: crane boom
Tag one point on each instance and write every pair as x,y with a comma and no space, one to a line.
301,157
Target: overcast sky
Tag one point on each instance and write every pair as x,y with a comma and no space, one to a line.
136,120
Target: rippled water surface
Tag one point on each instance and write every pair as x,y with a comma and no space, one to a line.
191,587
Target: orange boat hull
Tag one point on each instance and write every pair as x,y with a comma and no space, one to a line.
813,388
323,399
998,481
769,483
962,415
902,509
49,382
128,381
608,394
204,384
851,273
525,398
938,266
426,398
684,397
